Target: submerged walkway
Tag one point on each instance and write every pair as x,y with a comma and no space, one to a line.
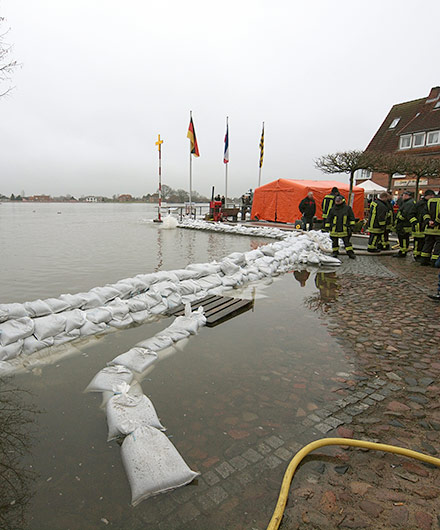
389,331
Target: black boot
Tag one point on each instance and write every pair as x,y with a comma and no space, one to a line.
351,254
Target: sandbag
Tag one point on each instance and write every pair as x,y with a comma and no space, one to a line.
75,301
37,308
118,309
74,319
134,305
185,274
140,316
188,287
174,300
56,305
156,343
64,337
159,308
89,328
121,323
106,293
98,315
32,344
110,378
153,465
137,359
125,413
11,350
13,330
228,267
49,326
164,288
13,311
91,300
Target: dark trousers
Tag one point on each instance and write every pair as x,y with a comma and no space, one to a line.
308,221
335,243
374,240
384,242
431,247
403,241
418,245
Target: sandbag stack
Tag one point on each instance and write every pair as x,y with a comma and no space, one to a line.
29,327
153,465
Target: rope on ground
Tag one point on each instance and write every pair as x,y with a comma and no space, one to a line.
296,460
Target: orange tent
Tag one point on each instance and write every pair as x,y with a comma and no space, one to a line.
279,200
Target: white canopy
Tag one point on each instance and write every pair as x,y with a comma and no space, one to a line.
371,187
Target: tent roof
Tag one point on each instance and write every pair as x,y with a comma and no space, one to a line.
326,185
372,187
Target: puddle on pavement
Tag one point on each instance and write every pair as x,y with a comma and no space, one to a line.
255,375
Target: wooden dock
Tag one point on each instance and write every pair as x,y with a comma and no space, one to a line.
217,308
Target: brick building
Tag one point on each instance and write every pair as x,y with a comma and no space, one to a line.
410,128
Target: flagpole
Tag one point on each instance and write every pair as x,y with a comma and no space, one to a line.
190,173
159,143
261,156
226,169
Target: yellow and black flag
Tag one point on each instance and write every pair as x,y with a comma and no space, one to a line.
262,147
194,148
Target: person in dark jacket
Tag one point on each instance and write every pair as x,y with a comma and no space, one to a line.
384,244
308,209
418,222
377,221
339,223
327,204
431,247
403,223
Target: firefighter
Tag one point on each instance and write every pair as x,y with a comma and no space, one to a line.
327,204
431,247
384,244
418,222
377,221
308,209
339,223
403,223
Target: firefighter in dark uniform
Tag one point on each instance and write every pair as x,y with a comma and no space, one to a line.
308,209
384,244
377,221
418,222
403,223
339,223
327,204
431,247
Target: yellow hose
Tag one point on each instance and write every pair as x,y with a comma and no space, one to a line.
296,460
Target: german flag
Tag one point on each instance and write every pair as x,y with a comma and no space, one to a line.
192,136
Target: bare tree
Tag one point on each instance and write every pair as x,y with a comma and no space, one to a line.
390,164
7,66
422,167
345,162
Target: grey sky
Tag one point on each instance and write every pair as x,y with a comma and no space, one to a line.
101,78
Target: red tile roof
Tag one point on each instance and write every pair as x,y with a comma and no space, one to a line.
415,116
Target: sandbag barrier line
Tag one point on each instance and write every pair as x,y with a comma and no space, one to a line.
33,326
131,414
300,455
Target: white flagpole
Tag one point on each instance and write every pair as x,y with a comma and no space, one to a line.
190,170
260,162
226,168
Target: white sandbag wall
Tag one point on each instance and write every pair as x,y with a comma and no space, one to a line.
152,463
32,326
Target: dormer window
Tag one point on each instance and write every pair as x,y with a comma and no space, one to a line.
394,123
405,141
437,105
418,139
433,138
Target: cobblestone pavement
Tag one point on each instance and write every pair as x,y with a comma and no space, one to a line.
389,330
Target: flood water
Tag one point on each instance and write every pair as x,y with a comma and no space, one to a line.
247,378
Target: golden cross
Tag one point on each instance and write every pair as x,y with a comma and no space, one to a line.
159,142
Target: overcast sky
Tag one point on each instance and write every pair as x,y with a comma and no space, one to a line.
100,79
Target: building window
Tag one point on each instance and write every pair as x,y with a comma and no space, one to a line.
405,142
418,140
394,123
437,105
433,138
365,174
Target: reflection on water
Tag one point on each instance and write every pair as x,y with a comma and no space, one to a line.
301,277
159,251
16,419
329,288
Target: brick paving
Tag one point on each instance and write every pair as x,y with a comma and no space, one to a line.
389,331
